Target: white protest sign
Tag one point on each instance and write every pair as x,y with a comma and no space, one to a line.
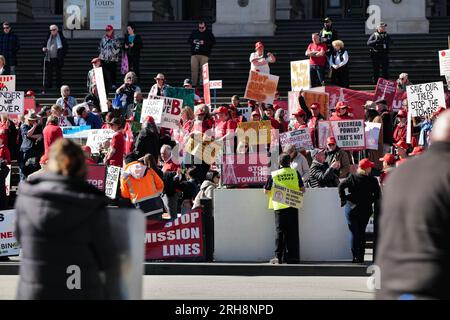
325,131
300,78
7,83
172,112
112,181
97,137
425,98
444,62
286,196
349,134
372,130
215,84
11,102
153,108
100,82
8,242
298,138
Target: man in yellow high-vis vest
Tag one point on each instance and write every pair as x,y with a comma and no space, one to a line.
286,217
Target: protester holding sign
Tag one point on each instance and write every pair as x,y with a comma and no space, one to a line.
62,222
299,121
116,150
342,112
159,88
400,129
336,154
363,192
286,217
96,63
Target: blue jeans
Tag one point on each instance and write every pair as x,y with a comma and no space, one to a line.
357,220
316,74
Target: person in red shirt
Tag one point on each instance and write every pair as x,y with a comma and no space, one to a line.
166,158
401,149
270,112
313,123
4,126
316,52
88,155
4,152
51,133
116,151
342,112
299,122
401,128
223,125
201,125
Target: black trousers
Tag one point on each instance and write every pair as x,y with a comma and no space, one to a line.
339,77
53,66
287,242
133,65
109,74
380,61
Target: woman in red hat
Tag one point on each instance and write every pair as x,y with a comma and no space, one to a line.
258,62
363,191
300,120
342,112
223,125
201,122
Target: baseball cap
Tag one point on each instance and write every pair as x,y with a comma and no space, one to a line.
341,105
389,158
221,110
316,151
187,82
109,27
331,140
150,119
327,19
86,149
416,151
299,112
366,164
95,60
401,144
402,114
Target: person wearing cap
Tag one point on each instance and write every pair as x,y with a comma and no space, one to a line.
299,120
159,88
417,151
400,128
88,155
201,123
109,51
338,61
86,117
96,63
298,161
322,175
316,52
148,140
55,48
259,62
342,112
30,150
187,83
335,154
379,43
286,217
402,82
358,193
132,43
401,149
328,34
116,150
388,161
9,46
224,126
269,113
202,41
51,133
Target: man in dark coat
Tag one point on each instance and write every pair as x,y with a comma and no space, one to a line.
148,139
55,48
388,126
9,46
320,174
414,233
201,41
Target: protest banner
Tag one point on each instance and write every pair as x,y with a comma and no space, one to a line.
7,83
245,169
261,87
397,103
372,130
96,175
171,114
254,132
112,181
299,138
206,91
179,239
11,102
444,62
425,98
9,246
185,94
349,134
153,108
300,78
385,90
203,150
286,196
100,82
246,112
325,131
96,138
354,99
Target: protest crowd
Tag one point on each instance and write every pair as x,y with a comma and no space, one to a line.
171,147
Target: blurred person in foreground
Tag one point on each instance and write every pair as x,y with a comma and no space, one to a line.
62,222
414,246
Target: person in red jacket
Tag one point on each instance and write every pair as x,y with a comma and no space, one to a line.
4,152
269,113
223,125
401,128
116,151
51,133
316,52
299,122
342,112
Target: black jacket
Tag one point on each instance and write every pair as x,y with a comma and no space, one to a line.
60,223
208,42
321,176
362,190
388,127
414,234
6,70
9,46
379,42
61,52
135,51
147,142
328,39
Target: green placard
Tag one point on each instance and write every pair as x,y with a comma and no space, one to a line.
182,93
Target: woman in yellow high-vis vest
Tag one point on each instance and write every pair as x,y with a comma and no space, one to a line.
286,218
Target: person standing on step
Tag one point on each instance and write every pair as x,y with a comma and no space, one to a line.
258,62
202,41
109,49
132,44
328,34
316,52
379,43
55,49
9,46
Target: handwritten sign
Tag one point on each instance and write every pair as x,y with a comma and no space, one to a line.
426,98
98,137
261,87
153,108
349,134
112,181
254,132
300,139
300,78
11,102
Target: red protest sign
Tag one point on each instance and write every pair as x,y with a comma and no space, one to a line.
385,90
245,169
206,91
397,103
181,238
355,99
96,176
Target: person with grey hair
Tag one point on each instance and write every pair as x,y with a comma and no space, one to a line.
413,253
55,49
403,81
298,161
66,101
322,175
128,88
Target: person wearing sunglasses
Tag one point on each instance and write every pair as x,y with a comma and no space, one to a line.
55,49
9,46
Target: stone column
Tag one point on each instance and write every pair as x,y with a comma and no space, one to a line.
404,17
237,18
141,10
15,10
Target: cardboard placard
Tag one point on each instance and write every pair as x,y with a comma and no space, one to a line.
261,87
349,134
424,99
256,132
299,138
97,137
100,82
11,102
112,181
300,77
153,108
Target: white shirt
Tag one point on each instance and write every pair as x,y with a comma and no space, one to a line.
262,69
300,164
